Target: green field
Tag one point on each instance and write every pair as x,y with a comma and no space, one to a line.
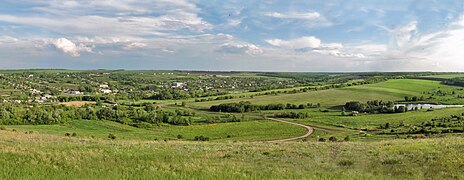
392,90
241,131
35,156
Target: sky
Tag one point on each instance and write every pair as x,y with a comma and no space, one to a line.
246,35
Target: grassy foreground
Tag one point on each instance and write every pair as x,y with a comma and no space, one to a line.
38,156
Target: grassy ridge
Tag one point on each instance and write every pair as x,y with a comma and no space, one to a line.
35,156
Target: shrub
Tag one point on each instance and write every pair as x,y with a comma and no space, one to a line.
74,134
390,161
345,163
111,136
201,138
67,134
2,128
179,136
333,139
321,140
419,136
347,138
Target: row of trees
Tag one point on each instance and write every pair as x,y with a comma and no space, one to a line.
375,106
246,106
413,98
293,115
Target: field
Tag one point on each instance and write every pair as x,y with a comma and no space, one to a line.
393,90
34,156
243,131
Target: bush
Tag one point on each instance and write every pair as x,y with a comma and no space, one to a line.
347,138
3,128
333,139
345,163
391,161
111,136
321,140
179,136
67,134
201,138
74,134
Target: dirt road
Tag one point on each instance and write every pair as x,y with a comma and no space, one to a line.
308,132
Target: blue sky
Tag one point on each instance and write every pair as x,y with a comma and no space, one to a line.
266,35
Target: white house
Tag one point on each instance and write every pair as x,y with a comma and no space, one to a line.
35,91
178,84
104,86
76,92
106,91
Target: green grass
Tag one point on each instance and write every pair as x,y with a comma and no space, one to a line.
398,87
333,118
389,90
35,156
326,98
241,131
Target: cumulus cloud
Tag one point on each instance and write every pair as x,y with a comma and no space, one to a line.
70,48
240,48
298,43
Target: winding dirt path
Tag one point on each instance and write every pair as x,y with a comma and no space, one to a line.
309,131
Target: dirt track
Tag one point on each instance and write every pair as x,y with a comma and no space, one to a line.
308,132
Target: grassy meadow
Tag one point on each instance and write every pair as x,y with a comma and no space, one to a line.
255,130
37,156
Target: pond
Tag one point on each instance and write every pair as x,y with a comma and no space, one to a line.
435,106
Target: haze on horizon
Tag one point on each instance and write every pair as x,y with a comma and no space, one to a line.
270,35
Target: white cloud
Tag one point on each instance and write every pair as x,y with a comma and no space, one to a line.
240,48
298,43
295,15
135,45
313,45
403,35
111,18
70,48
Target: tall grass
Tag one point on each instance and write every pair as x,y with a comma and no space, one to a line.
37,156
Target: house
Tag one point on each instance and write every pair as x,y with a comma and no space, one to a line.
104,86
35,91
106,91
178,84
44,98
76,92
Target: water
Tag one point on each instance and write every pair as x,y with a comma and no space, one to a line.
427,106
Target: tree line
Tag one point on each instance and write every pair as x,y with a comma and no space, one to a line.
246,106
376,106
58,114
